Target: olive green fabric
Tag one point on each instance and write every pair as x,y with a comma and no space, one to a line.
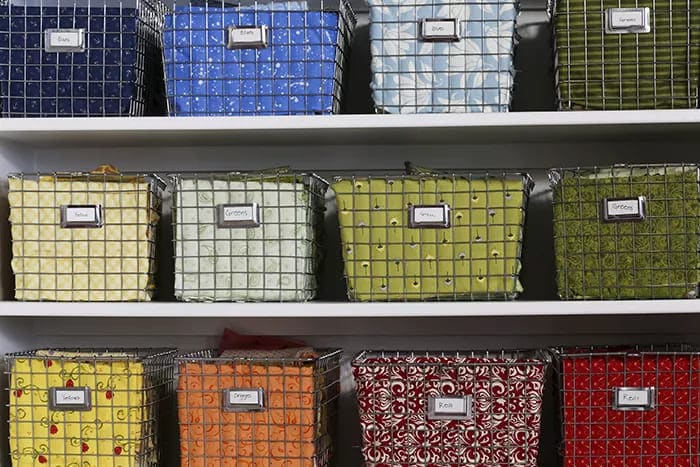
601,71
477,257
658,257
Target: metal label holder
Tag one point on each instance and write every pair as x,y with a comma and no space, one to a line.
244,400
236,216
439,30
64,40
627,20
432,216
624,209
75,216
450,408
246,37
70,399
634,398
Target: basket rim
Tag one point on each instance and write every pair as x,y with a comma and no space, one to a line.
510,356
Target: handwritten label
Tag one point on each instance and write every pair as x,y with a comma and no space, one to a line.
239,215
64,40
247,37
81,214
627,20
244,397
634,398
429,216
73,216
70,399
440,30
244,400
450,408
630,209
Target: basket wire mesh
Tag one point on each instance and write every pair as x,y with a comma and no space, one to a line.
491,407
257,57
636,405
84,236
247,236
442,56
81,58
394,251
258,407
612,55
628,231
102,407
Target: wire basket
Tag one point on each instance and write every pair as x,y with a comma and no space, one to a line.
630,406
442,56
431,236
84,236
627,232
86,58
258,407
257,57
91,407
450,408
612,55
247,236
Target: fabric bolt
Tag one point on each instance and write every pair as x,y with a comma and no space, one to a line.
292,430
596,434
118,431
393,393
112,263
596,70
299,71
472,74
107,79
657,257
477,256
276,261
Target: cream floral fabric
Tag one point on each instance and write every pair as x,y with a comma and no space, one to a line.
110,263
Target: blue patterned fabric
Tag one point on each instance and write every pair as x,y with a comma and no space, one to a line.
299,72
474,74
97,82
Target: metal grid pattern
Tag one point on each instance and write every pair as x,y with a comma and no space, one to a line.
84,236
257,57
630,406
247,236
85,58
652,251
120,399
289,421
442,56
473,253
655,64
496,424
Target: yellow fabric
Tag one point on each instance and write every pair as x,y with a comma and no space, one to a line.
477,256
109,435
110,263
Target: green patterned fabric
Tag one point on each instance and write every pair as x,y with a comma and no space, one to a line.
658,257
602,71
477,257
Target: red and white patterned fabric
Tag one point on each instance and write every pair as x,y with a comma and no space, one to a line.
393,392
597,434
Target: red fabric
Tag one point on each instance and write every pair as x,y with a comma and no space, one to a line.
595,434
231,340
393,395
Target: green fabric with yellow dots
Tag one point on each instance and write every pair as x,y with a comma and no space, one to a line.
476,257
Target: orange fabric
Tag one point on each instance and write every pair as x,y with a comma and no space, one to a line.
282,434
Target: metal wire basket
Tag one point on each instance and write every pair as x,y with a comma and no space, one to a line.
84,236
98,407
630,406
627,232
93,58
257,57
258,407
612,55
450,408
432,236
247,236
442,56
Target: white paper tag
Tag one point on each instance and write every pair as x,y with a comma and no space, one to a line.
623,207
634,398
81,214
64,40
439,29
247,37
423,215
244,398
70,399
238,213
627,20
450,408
78,216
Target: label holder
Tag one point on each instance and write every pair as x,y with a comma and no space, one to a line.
624,209
60,399
627,20
244,400
91,213
236,216
450,408
246,37
429,216
64,40
439,30
624,398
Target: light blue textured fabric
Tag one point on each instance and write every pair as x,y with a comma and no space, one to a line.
473,74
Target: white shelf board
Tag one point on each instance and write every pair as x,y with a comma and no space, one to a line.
349,310
356,129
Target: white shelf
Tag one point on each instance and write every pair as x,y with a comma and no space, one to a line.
356,129
349,310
